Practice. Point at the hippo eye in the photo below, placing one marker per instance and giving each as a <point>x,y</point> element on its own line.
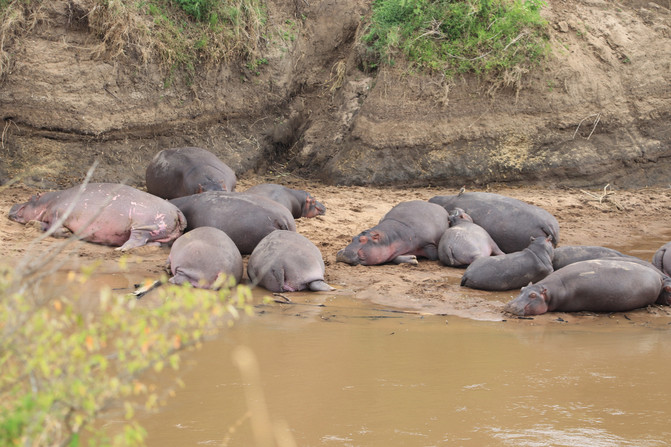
<point>533,295</point>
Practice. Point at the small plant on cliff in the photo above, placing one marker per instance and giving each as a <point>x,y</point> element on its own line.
<point>488,37</point>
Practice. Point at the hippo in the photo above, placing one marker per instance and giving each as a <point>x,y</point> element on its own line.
<point>596,285</point>
<point>408,230</point>
<point>285,261</point>
<point>201,255</point>
<point>104,213</point>
<point>245,218</point>
<point>510,222</point>
<point>184,171</point>
<point>665,295</point>
<point>464,241</point>
<point>512,270</point>
<point>662,258</point>
<point>568,254</point>
<point>299,202</point>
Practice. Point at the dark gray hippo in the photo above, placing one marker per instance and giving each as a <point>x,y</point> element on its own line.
<point>299,202</point>
<point>201,255</point>
<point>408,230</point>
<point>662,258</point>
<point>184,171</point>
<point>245,218</point>
<point>510,222</point>
<point>512,270</point>
<point>665,295</point>
<point>568,254</point>
<point>104,213</point>
<point>465,241</point>
<point>597,285</point>
<point>285,261</point>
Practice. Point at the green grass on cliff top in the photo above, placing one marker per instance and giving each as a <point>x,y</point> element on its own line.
<point>488,37</point>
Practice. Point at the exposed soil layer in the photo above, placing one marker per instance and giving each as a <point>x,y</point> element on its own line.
<point>598,111</point>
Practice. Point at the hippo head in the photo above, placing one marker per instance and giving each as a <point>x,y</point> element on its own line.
<point>371,247</point>
<point>24,212</point>
<point>457,215</point>
<point>532,300</point>
<point>312,208</point>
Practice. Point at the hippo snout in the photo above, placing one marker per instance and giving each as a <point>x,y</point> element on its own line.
<point>14,212</point>
<point>347,256</point>
<point>321,209</point>
<point>515,307</point>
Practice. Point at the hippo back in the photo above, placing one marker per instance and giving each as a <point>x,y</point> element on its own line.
<point>662,258</point>
<point>245,218</point>
<point>419,214</point>
<point>285,261</point>
<point>184,171</point>
<point>201,255</point>
<point>510,222</point>
<point>568,254</point>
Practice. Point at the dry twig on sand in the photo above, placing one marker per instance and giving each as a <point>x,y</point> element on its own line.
<point>605,197</point>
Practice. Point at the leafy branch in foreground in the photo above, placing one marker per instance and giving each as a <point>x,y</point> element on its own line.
<point>65,366</point>
<point>457,36</point>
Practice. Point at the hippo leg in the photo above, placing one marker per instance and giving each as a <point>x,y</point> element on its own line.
<point>320,286</point>
<point>43,226</point>
<point>138,238</point>
<point>278,274</point>
<point>61,232</point>
<point>405,259</point>
<point>430,252</point>
<point>181,276</point>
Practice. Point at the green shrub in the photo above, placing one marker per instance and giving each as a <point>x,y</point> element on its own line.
<point>200,9</point>
<point>456,36</point>
<point>64,367</point>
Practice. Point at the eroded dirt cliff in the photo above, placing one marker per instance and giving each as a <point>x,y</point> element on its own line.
<point>598,112</point>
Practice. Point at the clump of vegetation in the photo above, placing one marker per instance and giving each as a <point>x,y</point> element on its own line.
<point>487,37</point>
<point>64,367</point>
<point>180,34</point>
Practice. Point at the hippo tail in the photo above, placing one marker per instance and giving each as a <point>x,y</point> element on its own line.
<point>464,280</point>
<point>553,234</point>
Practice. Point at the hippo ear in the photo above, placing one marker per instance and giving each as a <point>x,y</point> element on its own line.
<point>375,236</point>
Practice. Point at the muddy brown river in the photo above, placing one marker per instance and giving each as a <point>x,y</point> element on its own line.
<point>352,374</point>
